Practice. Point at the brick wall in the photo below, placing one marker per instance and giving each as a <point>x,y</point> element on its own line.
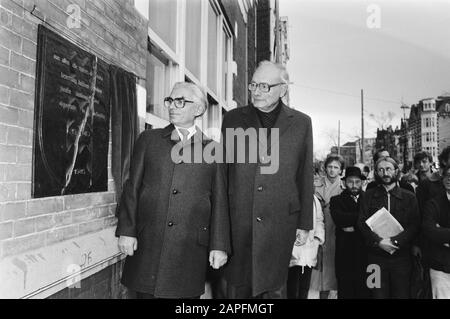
<point>102,285</point>
<point>27,223</point>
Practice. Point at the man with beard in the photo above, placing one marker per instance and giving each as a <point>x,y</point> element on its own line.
<point>351,255</point>
<point>391,255</point>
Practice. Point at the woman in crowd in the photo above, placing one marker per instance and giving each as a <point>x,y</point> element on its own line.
<point>323,280</point>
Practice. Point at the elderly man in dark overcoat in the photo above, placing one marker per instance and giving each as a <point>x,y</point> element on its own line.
<point>270,194</point>
<point>173,214</point>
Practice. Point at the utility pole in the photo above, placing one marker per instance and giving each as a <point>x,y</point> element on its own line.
<point>362,127</point>
<point>404,107</point>
<point>339,137</point>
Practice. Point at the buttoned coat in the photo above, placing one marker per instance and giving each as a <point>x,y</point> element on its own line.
<point>177,211</point>
<point>266,209</point>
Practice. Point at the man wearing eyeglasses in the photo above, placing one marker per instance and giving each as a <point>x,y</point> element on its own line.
<point>173,215</point>
<point>391,255</point>
<point>268,211</point>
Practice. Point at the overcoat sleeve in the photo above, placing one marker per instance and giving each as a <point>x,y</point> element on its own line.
<point>220,219</point>
<point>341,217</point>
<point>127,211</point>
<point>305,181</point>
<point>411,226</point>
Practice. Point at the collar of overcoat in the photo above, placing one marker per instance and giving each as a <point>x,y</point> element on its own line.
<point>171,133</point>
<point>283,122</point>
<point>381,191</point>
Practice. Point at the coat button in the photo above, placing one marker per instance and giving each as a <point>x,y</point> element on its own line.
<point>170,224</point>
<point>205,228</point>
<point>258,219</point>
<point>175,191</point>
<point>260,188</point>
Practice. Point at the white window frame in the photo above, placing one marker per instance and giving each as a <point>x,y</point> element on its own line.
<point>177,65</point>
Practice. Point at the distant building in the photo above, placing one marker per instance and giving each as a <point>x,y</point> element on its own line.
<point>348,152</point>
<point>426,129</point>
<point>284,41</point>
<point>369,147</point>
<point>389,140</point>
<point>443,110</point>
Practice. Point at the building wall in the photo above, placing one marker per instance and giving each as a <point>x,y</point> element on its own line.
<point>31,228</point>
<point>429,133</point>
<point>264,31</point>
<point>251,42</point>
<point>240,56</point>
<point>444,131</point>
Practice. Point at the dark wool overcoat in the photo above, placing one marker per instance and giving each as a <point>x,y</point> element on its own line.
<point>178,212</point>
<point>266,209</point>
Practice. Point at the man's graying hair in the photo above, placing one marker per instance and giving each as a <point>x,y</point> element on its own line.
<point>284,74</point>
<point>197,90</point>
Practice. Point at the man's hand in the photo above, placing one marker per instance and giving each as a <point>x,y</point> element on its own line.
<point>217,258</point>
<point>387,245</point>
<point>302,236</point>
<point>350,229</point>
<point>127,245</point>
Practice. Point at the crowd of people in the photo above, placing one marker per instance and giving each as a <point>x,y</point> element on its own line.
<point>351,259</point>
<point>274,233</point>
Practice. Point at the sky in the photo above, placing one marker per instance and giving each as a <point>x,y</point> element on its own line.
<point>334,54</point>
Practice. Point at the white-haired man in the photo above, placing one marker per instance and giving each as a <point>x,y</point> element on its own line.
<point>173,215</point>
<point>268,210</point>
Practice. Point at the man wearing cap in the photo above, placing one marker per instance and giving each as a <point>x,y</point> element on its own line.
<point>391,256</point>
<point>351,255</point>
<point>173,214</point>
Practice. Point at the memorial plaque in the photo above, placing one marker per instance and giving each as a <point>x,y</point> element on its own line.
<point>71,121</point>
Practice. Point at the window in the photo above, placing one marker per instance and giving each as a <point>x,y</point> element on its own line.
<point>189,39</point>
<point>212,48</point>
<point>226,71</point>
<point>158,86</point>
<point>447,108</point>
<point>193,36</point>
<point>163,20</point>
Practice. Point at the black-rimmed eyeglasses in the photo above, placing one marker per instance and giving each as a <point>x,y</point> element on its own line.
<point>179,102</point>
<point>263,87</point>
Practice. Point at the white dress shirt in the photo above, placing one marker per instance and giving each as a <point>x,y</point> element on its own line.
<point>192,130</point>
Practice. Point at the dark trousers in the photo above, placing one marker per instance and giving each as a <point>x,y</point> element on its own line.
<point>395,280</point>
<point>352,286</point>
<point>143,295</point>
<point>298,282</point>
<point>245,292</point>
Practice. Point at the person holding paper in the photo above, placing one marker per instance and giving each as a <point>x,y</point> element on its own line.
<point>391,253</point>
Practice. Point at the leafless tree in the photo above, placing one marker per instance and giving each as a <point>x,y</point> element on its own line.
<point>383,120</point>
<point>332,135</point>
